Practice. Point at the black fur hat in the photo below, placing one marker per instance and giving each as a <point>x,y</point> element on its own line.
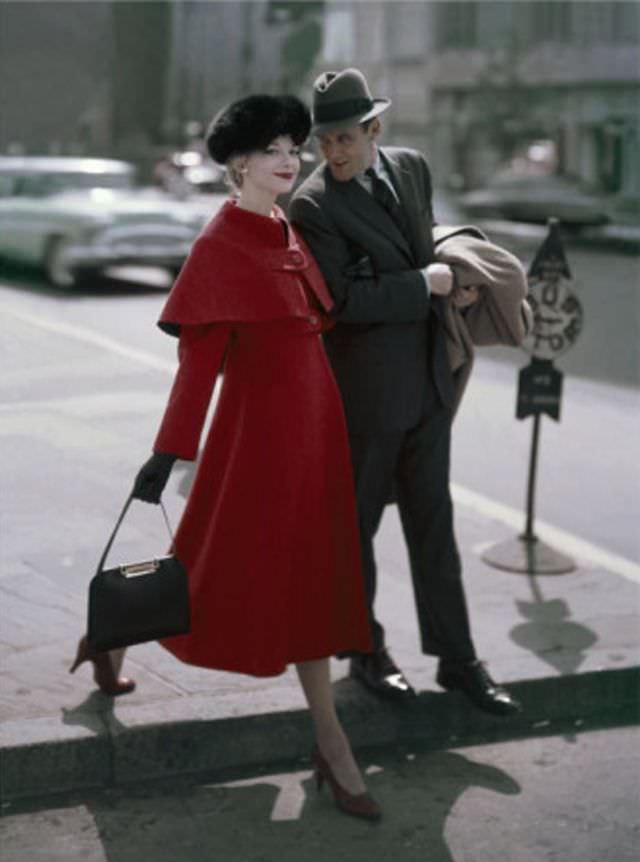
<point>253,123</point>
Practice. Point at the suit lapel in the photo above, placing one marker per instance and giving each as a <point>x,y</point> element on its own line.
<point>404,184</point>
<point>369,210</point>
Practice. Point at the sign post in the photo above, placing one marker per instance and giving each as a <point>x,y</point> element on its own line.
<point>557,323</point>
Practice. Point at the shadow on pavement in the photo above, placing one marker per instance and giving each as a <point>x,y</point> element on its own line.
<point>279,817</point>
<point>550,633</point>
<point>83,715</point>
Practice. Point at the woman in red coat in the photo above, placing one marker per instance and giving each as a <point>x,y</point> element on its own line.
<point>269,534</point>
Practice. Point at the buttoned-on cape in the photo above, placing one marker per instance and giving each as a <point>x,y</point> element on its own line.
<point>236,250</point>
<point>269,534</point>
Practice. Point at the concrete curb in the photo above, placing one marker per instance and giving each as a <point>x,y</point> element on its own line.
<point>45,756</point>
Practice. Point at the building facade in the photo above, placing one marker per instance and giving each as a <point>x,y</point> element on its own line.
<point>55,77</point>
<point>219,51</point>
<point>476,83</point>
<point>129,79</point>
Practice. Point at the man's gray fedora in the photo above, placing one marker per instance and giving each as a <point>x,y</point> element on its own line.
<point>343,99</point>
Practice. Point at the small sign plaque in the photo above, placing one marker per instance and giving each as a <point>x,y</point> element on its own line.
<point>539,390</point>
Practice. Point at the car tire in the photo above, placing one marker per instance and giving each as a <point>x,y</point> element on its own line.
<point>56,269</point>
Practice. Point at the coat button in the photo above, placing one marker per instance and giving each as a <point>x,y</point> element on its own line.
<point>295,258</point>
<point>313,320</point>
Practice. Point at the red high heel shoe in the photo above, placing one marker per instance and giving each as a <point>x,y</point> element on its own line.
<point>103,672</point>
<point>356,804</point>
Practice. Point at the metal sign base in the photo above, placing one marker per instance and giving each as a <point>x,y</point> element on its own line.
<point>528,555</point>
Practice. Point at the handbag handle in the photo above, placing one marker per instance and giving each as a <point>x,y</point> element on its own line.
<point>125,508</point>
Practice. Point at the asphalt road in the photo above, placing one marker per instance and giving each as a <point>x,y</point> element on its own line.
<point>569,798</point>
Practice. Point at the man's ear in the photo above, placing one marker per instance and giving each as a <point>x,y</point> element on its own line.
<point>374,129</point>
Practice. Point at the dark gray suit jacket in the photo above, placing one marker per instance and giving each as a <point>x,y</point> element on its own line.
<point>385,337</point>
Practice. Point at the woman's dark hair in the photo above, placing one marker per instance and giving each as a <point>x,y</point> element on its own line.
<point>253,123</point>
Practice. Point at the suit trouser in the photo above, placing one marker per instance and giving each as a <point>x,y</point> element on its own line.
<point>416,462</point>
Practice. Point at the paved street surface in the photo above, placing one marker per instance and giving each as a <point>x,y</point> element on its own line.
<point>85,377</point>
<point>588,477</point>
<point>569,798</point>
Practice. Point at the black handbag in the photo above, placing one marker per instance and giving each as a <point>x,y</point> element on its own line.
<point>137,602</point>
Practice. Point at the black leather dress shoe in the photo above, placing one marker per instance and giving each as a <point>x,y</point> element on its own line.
<point>473,679</point>
<point>379,672</point>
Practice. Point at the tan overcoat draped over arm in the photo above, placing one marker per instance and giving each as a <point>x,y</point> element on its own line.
<point>501,315</point>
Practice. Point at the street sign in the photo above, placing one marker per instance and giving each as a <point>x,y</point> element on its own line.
<point>557,311</point>
<point>557,322</point>
<point>557,315</point>
<point>539,390</point>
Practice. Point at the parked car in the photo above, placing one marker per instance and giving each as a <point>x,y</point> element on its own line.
<point>190,171</point>
<point>531,198</point>
<point>79,216</point>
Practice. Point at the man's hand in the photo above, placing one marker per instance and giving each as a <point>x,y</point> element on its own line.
<point>462,297</point>
<point>439,278</point>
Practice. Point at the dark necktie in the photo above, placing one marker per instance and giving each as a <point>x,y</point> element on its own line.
<point>383,194</point>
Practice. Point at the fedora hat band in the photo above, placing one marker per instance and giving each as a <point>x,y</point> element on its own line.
<point>342,110</point>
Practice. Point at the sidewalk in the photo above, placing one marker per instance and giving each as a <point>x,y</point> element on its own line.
<point>76,419</point>
<point>568,646</point>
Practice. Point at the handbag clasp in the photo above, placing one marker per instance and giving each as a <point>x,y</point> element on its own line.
<point>134,570</point>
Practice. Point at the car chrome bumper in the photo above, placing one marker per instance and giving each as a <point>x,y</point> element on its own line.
<point>79,257</point>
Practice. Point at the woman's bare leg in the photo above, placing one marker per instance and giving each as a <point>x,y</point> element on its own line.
<point>330,736</point>
<point>117,658</point>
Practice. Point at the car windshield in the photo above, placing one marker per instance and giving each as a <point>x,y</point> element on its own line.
<point>44,185</point>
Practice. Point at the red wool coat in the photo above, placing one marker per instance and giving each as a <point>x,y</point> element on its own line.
<point>269,534</point>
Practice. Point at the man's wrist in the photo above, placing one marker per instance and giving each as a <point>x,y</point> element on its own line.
<point>439,277</point>
<point>425,276</point>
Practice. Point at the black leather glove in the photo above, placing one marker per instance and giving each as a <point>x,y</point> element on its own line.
<point>153,477</point>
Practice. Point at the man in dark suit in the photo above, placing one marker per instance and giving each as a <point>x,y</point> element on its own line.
<point>366,213</point>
